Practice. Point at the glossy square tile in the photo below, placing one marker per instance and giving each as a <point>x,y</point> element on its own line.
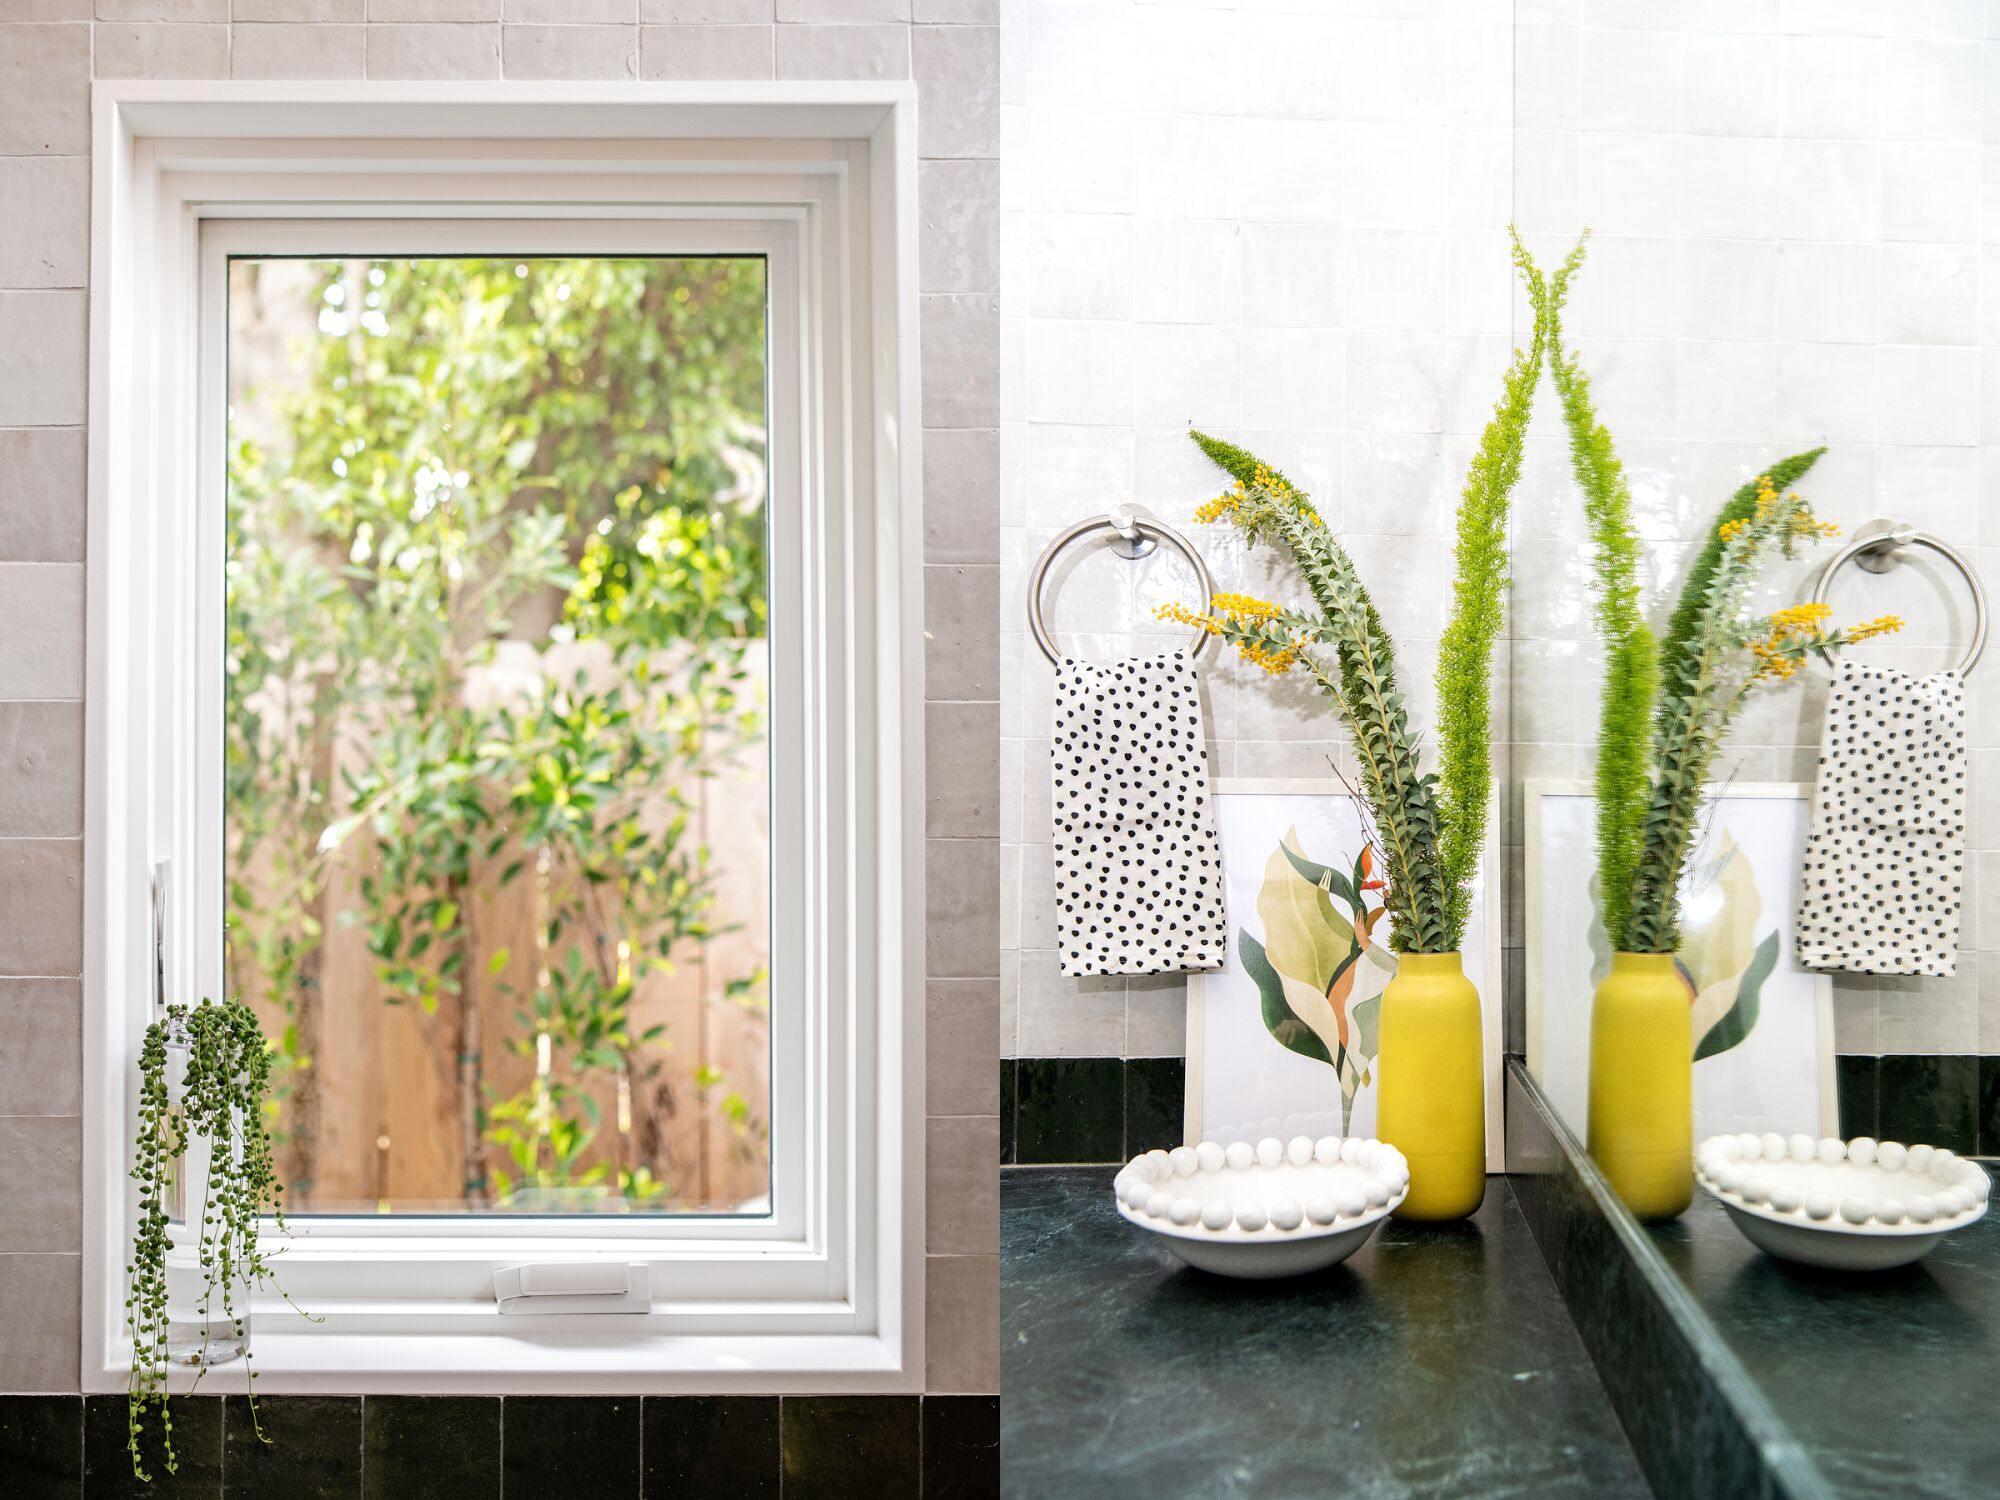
<point>842,1447</point>
<point>1855,1080</point>
<point>719,1444</point>
<point>571,1445</point>
<point>1069,1109</point>
<point>1155,1103</point>
<point>430,1447</point>
<point>1933,1099</point>
<point>41,1446</point>
<point>292,1448</point>
<point>961,1439</point>
<point>197,1438</point>
<point>1008,1070</point>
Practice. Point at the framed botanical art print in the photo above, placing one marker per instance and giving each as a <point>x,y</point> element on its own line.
<point>1763,1026</point>
<point>1282,1040</point>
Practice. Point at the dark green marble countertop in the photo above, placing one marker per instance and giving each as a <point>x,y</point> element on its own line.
<point>1887,1381</point>
<point>1435,1362</point>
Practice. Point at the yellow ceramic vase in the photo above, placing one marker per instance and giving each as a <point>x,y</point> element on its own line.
<point>1641,1132</point>
<point>1430,1102</point>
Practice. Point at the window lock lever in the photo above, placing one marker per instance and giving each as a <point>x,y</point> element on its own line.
<point>574,1287</point>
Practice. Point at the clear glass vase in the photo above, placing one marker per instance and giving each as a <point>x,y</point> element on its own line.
<point>198,1332</point>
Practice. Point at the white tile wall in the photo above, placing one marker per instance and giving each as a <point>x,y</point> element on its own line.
<point>1823,207</point>
<point>1797,217</point>
<point>1281,222</point>
<point>49,52</point>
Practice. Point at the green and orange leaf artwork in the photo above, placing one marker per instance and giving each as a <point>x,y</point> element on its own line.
<point>1319,973</point>
<point>1722,960</point>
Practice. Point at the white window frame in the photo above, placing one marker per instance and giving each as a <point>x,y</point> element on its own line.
<point>826,1294</point>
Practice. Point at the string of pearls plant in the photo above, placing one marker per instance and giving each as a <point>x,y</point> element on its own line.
<point>220,1100</point>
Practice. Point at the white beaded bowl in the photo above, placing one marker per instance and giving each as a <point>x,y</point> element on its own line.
<point>1273,1209</point>
<point>1859,1205</point>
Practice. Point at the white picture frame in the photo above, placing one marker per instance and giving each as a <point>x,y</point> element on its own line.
<point>1242,1083</point>
<point>1778,1074</point>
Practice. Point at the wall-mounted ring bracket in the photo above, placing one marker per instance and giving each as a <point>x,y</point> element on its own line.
<point>1131,531</point>
<point>1881,546</point>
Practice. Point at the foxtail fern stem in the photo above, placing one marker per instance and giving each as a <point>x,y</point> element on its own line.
<point>1631,668</point>
<point>1465,652</point>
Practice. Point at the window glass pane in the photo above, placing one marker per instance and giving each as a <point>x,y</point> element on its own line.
<point>498,826</point>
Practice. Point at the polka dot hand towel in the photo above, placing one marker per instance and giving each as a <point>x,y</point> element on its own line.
<point>1885,858</point>
<point>1138,864</point>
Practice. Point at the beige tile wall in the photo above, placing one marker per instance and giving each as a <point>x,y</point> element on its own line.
<point>49,52</point>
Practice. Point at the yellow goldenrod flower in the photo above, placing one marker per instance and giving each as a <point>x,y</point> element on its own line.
<point>1729,531</point>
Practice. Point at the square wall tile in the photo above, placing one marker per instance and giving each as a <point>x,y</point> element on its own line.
<point>582,1445</point>
<point>289,51</point>
<point>727,1445</point>
<point>41,1067</point>
<point>961,1327</point>
<point>41,1445</point>
<point>41,1300</point>
<point>962,1187</point>
<point>1932,1099</point>
<point>45,90</point>
<point>41,770</point>
<point>442,1447</point>
<point>107,1464</point>
<point>1856,1079</point>
<point>310,1448</point>
<point>43,354</point>
<point>152,50</point>
<point>1069,1109</point>
<point>41,494</point>
<point>1155,1104</point>
<point>41,1182</point>
<point>721,52</point>
<point>45,240</point>
<point>41,890</point>
<point>838,1447</point>
<point>961,1447</point>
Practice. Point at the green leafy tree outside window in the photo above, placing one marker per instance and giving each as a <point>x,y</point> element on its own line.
<point>482,454</point>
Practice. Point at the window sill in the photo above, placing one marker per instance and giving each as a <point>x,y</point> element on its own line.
<point>584,1355</point>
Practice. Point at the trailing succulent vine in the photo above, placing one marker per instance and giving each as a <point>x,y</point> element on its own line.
<point>1684,688</point>
<point>1429,827</point>
<point>222,1102</point>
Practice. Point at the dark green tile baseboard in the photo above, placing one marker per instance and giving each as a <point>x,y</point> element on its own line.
<point>1698,1424</point>
<point>1944,1099</point>
<point>1081,1111</point>
<point>487,1447</point>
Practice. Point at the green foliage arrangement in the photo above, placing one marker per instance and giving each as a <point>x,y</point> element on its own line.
<point>1631,658</point>
<point>222,1100</point>
<point>1667,706</point>
<point>480,455</point>
<point>1429,827</point>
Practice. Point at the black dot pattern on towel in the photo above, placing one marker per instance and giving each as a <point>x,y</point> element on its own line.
<point>1885,858</point>
<point>1138,867</point>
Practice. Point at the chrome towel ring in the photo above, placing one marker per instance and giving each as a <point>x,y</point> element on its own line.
<point>1132,532</point>
<point>1881,545</point>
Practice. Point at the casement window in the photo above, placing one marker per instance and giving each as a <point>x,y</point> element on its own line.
<point>504,675</point>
